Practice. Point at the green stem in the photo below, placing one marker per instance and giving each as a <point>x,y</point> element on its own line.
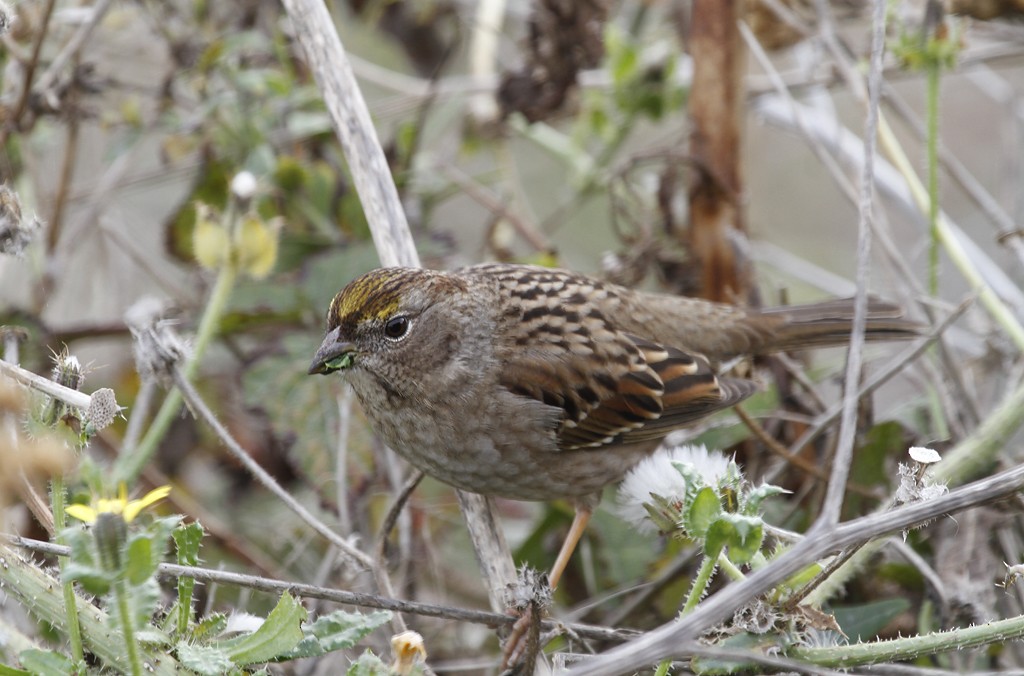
<point>700,583</point>
<point>130,464</point>
<point>67,587</point>
<point>730,568</point>
<point>933,72</point>
<point>903,649</point>
<point>956,253</point>
<point>124,614</point>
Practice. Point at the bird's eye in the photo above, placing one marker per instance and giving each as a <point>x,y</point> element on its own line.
<point>396,327</point>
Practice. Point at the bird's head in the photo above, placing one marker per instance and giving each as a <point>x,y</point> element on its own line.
<point>392,322</point>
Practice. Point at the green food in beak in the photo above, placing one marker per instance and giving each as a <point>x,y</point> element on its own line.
<point>333,355</point>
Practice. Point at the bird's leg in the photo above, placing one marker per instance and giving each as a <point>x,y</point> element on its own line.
<point>579,524</point>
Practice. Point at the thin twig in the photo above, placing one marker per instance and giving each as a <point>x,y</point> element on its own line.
<point>199,407</point>
<point>14,121</point>
<point>314,30</point>
<point>341,458</point>
<point>70,48</point>
<point>833,503</point>
<point>485,198</point>
<point>380,551</point>
<point>48,387</point>
<point>66,176</point>
<point>264,584</point>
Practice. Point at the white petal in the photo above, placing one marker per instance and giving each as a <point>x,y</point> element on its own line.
<point>923,455</point>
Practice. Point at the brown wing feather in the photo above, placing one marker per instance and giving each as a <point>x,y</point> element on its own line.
<point>692,391</point>
<point>611,386</point>
<point>643,394</point>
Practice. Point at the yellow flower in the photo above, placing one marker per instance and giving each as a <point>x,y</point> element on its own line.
<point>210,242</point>
<point>119,505</point>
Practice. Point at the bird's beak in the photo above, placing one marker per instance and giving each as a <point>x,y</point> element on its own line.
<point>334,354</point>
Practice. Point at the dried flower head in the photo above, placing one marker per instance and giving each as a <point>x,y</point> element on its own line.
<point>659,475</point>
<point>409,652</point>
<point>531,588</point>
<point>16,231</point>
<point>103,408</point>
<point>157,348</point>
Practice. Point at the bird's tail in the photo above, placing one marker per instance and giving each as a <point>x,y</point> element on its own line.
<point>829,323</point>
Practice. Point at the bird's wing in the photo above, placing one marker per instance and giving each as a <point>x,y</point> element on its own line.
<point>621,389</point>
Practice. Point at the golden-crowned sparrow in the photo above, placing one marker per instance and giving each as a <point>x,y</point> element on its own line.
<point>536,384</point>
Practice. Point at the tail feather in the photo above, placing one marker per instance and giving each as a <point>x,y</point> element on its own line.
<point>830,323</point>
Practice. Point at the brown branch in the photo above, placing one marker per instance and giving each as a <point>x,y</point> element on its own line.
<point>14,122</point>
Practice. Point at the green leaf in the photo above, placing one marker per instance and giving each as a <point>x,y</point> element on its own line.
<point>341,630</point>
<point>307,647</point>
<point>140,563</point>
<point>718,535</point>
<point>204,659</point>
<point>863,622</point>
<point>211,625</point>
<point>664,514</point>
<point>704,510</point>
<point>368,664</point>
<point>755,496</point>
<point>747,535</point>
<point>44,663</point>
<point>187,538</point>
<point>144,599</point>
<point>871,462</point>
<point>802,577</point>
<point>280,633</point>
<point>82,543</point>
<point>93,579</point>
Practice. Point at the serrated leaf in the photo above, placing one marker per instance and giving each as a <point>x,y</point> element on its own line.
<point>307,647</point>
<point>704,510</point>
<point>204,659</point>
<point>863,622</point>
<point>143,599</point>
<point>755,496</point>
<point>278,634</point>
<point>340,629</point>
<point>747,534</point>
<point>211,625</point>
<point>368,664</point>
<point>44,663</point>
<point>187,539</point>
